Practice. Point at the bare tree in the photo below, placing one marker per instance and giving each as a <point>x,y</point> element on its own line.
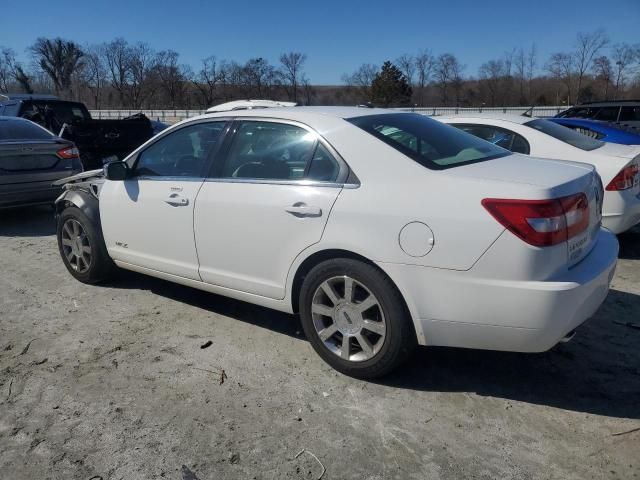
<point>141,62</point>
<point>171,75</point>
<point>561,67</point>
<point>624,56</point>
<point>407,65</point>
<point>491,76</point>
<point>207,81</point>
<point>7,68</point>
<point>117,61</point>
<point>603,71</point>
<point>258,77</point>
<point>59,59</point>
<point>23,79</point>
<point>532,61</point>
<point>362,79</point>
<point>587,47</point>
<point>292,64</point>
<point>424,62</point>
<point>448,73</point>
<point>94,73</point>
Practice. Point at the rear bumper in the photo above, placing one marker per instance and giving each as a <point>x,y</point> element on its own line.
<point>462,310</point>
<point>28,194</point>
<point>621,211</point>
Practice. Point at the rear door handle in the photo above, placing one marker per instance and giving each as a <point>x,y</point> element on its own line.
<point>301,209</point>
<point>176,200</point>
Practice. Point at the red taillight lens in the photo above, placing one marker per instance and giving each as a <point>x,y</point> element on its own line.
<point>69,152</point>
<point>542,222</point>
<point>624,179</point>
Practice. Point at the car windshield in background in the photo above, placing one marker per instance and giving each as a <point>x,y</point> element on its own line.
<point>22,130</point>
<point>430,143</point>
<point>565,134</point>
<point>64,112</point>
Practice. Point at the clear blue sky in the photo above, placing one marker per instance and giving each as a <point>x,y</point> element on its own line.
<point>337,36</point>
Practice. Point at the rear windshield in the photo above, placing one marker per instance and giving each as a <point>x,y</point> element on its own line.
<point>565,134</point>
<point>22,130</point>
<point>63,112</point>
<point>430,143</point>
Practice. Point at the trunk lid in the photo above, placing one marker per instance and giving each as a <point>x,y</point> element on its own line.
<point>25,161</point>
<point>521,177</point>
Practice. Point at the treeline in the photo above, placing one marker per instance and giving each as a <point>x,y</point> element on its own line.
<point>119,74</point>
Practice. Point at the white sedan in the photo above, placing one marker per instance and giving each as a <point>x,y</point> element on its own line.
<point>383,230</point>
<point>618,165</point>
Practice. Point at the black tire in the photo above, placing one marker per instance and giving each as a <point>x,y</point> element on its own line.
<point>400,338</point>
<point>100,267</point>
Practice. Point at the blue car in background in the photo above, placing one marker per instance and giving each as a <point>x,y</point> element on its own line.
<point>603,131</point>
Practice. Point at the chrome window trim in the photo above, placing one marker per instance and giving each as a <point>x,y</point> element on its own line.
<point>294,183</point>
<point>161,178</point>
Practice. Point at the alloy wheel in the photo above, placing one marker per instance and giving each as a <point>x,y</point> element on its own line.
<point>76,246</point>
<point>348,318</point>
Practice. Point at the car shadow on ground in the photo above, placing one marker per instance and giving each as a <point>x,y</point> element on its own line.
<point>596,373</point>
<point>630,244</point>
<point>37,221</point>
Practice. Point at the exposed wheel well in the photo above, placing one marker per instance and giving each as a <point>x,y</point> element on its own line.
<point>318,257</point>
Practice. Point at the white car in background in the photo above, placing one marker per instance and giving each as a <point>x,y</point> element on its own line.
<point>383,229</point>
<point>618,165</point>
<point>249,105</point>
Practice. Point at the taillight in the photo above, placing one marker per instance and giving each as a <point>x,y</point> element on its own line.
<point>542,222</point>
<point>624,179</point>
<point>69,152</point>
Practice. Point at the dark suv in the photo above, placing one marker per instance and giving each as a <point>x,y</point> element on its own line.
<point>99,141</point>
<point>624,112</point>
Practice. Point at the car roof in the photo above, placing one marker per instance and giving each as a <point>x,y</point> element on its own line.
<point>27,96</point>
<point>249,104</point>
<point>520,119</point>
<point>302,114</point>
<point>612,103</point>
<point>6,118</point>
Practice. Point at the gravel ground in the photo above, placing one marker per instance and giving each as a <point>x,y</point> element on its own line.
<point>111,382</point>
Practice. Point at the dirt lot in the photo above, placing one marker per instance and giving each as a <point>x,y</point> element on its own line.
<point>111,382</point>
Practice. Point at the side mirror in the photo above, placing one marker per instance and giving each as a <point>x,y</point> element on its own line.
<point>116,171</point>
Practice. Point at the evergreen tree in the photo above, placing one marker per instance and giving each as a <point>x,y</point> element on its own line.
<point>390,87</point>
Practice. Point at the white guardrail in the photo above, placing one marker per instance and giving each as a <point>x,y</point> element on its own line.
<point>172,116</point>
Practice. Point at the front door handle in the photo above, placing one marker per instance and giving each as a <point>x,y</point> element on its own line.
<point>175,200</point>
<point>301,209</point>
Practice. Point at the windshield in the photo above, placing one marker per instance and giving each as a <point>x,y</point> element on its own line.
<point>565,134</point>
<point>430,143</point>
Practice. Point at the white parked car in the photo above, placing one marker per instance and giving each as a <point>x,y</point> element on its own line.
<point>618,165</point>
<point>383,229</point>
<point>249,105</point>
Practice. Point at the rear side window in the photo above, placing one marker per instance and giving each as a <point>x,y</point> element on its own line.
<point>430,143</point>
<point>565,134</point>
<point>630,114</point>
<point>498,136</point>
<point>22,130</point>
<point>607,114</point>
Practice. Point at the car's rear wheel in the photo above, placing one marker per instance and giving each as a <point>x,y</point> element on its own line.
<point>355,318</point>
<point>82,247</point>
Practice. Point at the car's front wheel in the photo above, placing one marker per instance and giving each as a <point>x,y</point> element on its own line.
<point>355,318</point>
<point>82,247</point>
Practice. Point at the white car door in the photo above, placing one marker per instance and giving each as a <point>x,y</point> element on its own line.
<point>147,219</point>
<point>267,200</point>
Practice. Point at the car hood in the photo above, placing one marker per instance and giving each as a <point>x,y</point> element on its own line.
<point>99,173</point>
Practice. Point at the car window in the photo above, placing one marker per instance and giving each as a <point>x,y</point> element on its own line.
<point>579,112</point>
<point>498,136</point>
<point>323,166</point>
<point>565,134</point>
<point>22,130</point>
<point>607,114</point>
<point>429,142</point>
<point>630,114</point>
<point>269,150</point>
<point>181,153</point>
